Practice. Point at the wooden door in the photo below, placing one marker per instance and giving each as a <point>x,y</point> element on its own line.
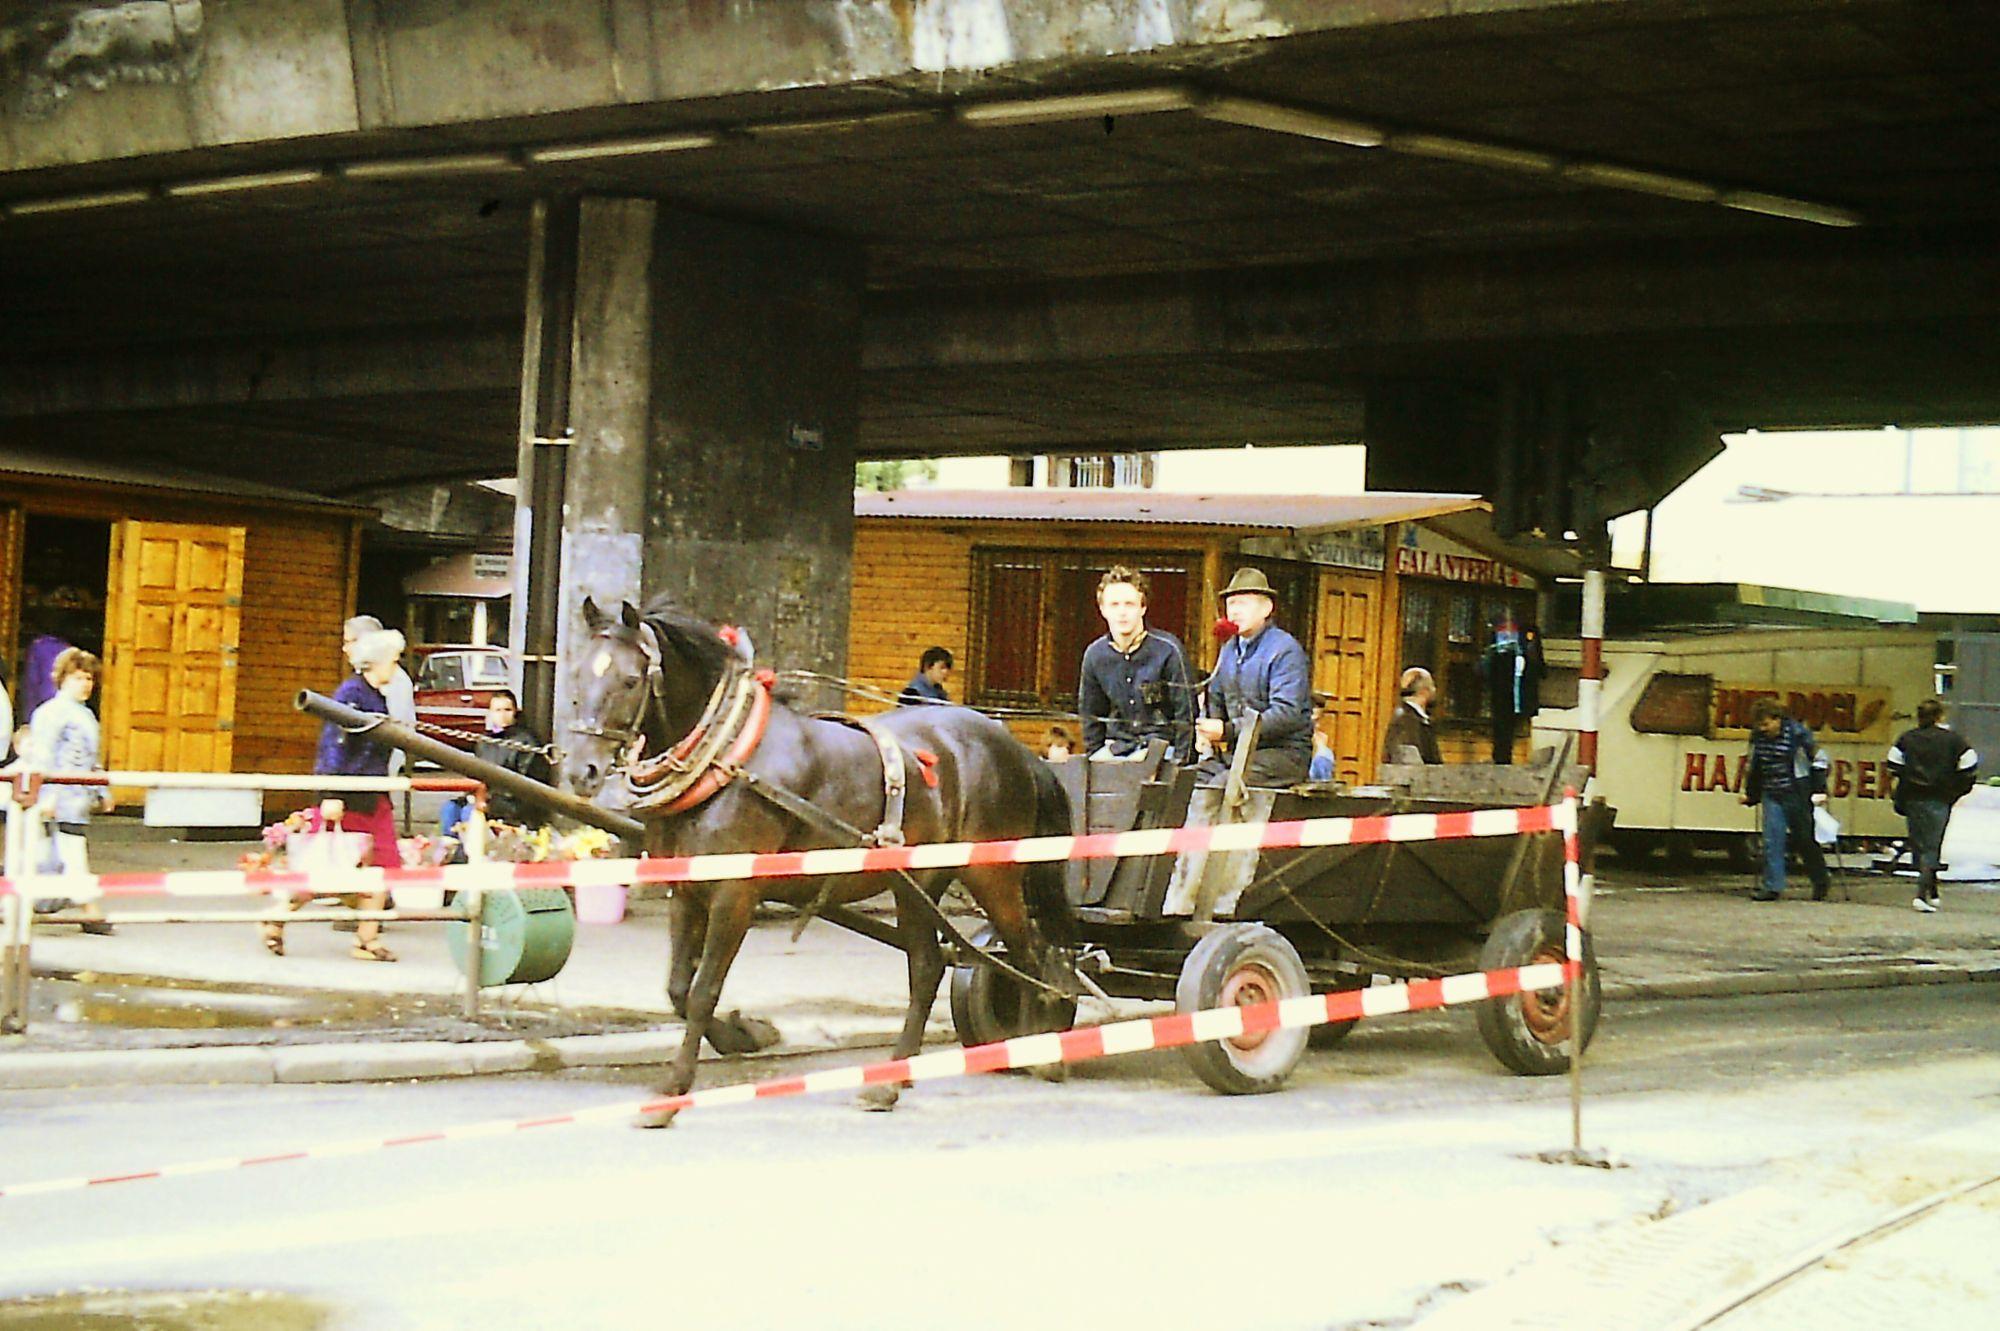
<point>1344,671</point>
<point>175,612</point>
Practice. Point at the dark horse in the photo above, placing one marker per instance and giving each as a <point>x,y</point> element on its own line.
<point>645,684</point>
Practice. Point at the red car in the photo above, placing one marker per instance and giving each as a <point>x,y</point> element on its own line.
<point>454,684</point>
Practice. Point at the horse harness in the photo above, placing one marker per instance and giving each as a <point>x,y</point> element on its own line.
<point>713,755</point>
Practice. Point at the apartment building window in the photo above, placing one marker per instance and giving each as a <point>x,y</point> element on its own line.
<point>1125,471</point>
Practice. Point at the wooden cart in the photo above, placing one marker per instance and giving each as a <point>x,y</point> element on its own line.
<point>1208,929</point>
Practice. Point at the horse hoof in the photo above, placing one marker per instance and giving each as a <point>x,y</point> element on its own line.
<point>733,1034</point>
<point>655,1118</point>
<point>878,1099</point>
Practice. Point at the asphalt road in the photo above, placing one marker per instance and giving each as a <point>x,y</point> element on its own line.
<point>1395,1174</point>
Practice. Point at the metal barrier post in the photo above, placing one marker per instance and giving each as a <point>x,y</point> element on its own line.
<point>13,1014</point>
<point>1576,889</point>
<point>473,900</point>
<point>19,908</point>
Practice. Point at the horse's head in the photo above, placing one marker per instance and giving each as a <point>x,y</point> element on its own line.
<point>638,685</point>
<point>612,685</point>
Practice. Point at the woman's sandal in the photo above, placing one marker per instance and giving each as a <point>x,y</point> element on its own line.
<point>371,952</point>
<point>274,939</point>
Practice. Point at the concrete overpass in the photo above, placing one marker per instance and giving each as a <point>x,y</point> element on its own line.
<point>1543,250</point>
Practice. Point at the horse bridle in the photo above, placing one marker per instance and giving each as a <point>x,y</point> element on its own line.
<point>623,737</point>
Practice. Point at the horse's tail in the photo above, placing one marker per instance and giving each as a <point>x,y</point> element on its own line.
<point>1047,899</point>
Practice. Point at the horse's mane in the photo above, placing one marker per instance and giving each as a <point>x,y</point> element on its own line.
<point>693,638</point>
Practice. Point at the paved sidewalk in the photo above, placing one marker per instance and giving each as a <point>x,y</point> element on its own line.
<point>1657,937</point>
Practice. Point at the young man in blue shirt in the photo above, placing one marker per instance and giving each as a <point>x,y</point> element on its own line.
<point>1135,686</point>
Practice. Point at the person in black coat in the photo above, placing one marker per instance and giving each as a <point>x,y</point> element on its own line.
<point>1512,667</point>
<point>510,744</point>
<point>1935,768</point>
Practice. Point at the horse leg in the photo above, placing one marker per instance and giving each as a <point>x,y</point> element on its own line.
<point>729,912</point>
<point>997,890</point>
<point>926,957</point>
<point>687,933</point>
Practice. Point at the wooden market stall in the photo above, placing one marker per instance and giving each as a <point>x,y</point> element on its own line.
<point>1369,583</point>
<point>212,601</point>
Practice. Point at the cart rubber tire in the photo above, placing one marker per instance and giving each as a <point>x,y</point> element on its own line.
<point>1238,965</point>
<point>1528,1032</point>
<point>987,1006</point>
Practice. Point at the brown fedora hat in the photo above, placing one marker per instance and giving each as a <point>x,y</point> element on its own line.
<point>1249,580</point>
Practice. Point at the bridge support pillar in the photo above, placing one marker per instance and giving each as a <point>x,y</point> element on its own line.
<point>689,409</point>
<point>755,416</point>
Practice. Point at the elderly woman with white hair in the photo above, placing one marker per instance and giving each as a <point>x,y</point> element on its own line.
<point>376,657</point>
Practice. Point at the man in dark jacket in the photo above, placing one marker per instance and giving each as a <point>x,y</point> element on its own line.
<point>1409,737</point>
<point>1135,685</point>
<point>1513,670</point>
<point>1786,778</point>
<point>510,744</point>
<point>1934,768</point>
<point>1261,669</point>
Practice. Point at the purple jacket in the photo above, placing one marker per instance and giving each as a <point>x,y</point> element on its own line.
<point>36,686</point>
<point>342,754</point>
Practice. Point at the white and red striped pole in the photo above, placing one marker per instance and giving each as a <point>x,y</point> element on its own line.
<point>1590,679</point>
<point>1575,886</point>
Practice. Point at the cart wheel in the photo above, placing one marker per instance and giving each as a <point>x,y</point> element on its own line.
<point>987,1006</point>
<point>1528,1032</point>
<point>1238,965</point>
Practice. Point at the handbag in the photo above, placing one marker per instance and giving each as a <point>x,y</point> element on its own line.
<point>1826,827</point>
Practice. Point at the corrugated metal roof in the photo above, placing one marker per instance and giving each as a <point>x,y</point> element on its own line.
<point>1264,512</point>
<point>159,476</point>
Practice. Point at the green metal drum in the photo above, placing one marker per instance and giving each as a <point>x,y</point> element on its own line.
<point>524,937</point>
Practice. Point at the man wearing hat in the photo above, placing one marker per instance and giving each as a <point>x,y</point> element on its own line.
<point>1261,669</point>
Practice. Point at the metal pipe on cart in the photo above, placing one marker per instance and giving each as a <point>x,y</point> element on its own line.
<point>385,731</point>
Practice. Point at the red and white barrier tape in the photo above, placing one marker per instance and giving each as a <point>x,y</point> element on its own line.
<point>813,863</point>
<point>1079,1045</point>
<point>1073,1046</point>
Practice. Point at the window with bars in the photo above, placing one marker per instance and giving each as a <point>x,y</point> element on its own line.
<point>1034,612</point>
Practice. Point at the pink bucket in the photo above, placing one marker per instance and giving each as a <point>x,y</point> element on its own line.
<point>600,903</point>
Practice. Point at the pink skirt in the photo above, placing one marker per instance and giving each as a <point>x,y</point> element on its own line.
<point>379,822</point>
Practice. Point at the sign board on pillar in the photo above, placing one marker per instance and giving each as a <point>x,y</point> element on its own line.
<point>493,566</point>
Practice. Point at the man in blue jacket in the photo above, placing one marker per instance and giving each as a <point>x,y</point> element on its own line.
<point>1261,669</point>
<point>1786,777</point>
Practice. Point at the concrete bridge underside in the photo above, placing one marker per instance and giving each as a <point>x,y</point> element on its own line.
<point>294,240</point>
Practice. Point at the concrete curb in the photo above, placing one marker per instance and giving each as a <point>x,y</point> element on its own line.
<point>365,1061</point>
